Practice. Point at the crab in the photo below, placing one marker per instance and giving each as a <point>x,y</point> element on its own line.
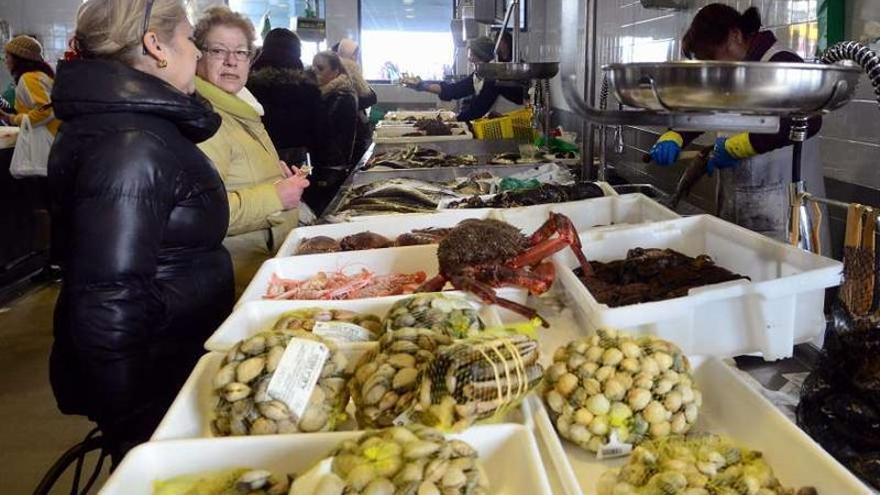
<point>480,255</point>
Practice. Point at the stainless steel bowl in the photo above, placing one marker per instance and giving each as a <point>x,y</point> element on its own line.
<point>509,71</point>
<point>744,87</point>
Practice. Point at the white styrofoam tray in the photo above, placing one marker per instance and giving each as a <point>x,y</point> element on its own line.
<point>780,307</point>
<point>398,131</point>
<point>453,216</point>
<point>730,408</point>
<point>388,227</point>
<point>255,316</point>
<point>608,211</point>
<point>443,205</point>
<point>419,139</point>
<point>507,452</point>
<point>404,260</point>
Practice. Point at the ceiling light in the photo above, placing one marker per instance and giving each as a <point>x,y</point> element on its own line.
<point>408,2</point>
<point>410,16</point>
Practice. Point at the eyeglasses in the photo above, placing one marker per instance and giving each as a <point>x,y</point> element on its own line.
<point>149,9</point>
<point>222,53</point>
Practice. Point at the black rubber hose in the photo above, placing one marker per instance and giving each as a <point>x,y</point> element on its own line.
<point>860,54</point>
<point>603,93</point>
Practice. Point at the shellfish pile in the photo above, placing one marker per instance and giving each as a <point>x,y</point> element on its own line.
<point>385,382</point>
<point>307,319</point>
<point>404,460</point>
<point>638,388</point>
<point>477,378</point>
<point>245,407</point>
<point>448,315</point>
<point>699,465</point>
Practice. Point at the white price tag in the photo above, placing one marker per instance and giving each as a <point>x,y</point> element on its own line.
<point>614,448</point>
<point>403,418</point>
<point>297,374</point>
<point>341,331</point>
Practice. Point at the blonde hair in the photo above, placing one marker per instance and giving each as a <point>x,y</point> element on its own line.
<point>222,16</point>
<point>114,29</point>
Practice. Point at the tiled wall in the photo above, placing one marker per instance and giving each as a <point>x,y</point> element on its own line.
<point>850,137</point>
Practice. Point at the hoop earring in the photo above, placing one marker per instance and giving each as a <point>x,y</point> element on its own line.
<point>162,64</point>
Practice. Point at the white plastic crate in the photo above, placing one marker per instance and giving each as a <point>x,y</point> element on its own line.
<point>256,316</point>
<point>609,211</point>
<point>444,115</point>
<point>730,408</point>
<point>444,203</point>
<point>780,307</point>
<point>507,452</point>
<point>388,227</point>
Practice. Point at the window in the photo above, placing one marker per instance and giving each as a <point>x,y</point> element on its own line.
<point>410,36</point>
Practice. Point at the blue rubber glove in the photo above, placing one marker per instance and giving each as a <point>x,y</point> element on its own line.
<point>665,151</point>
<point>721,158</point>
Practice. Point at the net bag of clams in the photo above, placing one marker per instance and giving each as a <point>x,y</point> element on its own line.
<point>637,388</point>
<point>335,324</point>
<point>477,379</point>
<point>245,406</point>
<point>840,399</point>
<point>449,315</point>
<point>385,381</point>
<point>694,465</point>
<point>402,460</point>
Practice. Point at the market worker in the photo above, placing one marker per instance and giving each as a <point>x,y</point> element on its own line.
<point>487,96</point>
<point>333,157</point>
<point>263,192</point>
<point>140,214</point>
<point>755,169</point>
<point>34,79</point>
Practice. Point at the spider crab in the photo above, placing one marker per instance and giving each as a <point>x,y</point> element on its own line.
<point>480,255</point>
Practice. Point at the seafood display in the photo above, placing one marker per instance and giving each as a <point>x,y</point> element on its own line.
<point>385,382</point>
<point>444,314</point>
<point>405,460</point>
<point>647,275</point>
<point>514,158</point>
<point>543,194</point>
<point>479,255</point>
<point>839,399</point>
<point>246,402</point>
<point>634,388</point>
<point>476,379</point>
<point>329,323</point>
<point>699,465</point>
<point>434,127</point>
<point>337,285</point>
<point>395,196</point>
<point>369,240</point>
<point>228,482</point>
<point>412,116</point>
<point>417,157</point>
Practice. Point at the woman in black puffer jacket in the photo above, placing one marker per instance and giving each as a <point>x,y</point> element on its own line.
<point>141,215</point>
<point>333,153</point>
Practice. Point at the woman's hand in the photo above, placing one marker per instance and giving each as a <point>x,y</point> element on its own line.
<point>5,116</point>
<point>290,190</point>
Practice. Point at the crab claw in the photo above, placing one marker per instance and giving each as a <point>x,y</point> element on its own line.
<point>487,294</point>
<point>543,246</point>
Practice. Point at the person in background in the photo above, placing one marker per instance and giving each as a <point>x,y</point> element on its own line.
<point>140,214</point>
<point>333,153</point>
<point>348,49</point>
<point>487,96</point>
<point>289,95</point>
<point>34,79</point>
<point>755,169</point>
<point>263,192</point>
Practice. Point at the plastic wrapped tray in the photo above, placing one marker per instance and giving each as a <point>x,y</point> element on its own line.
<point>780,307</point>
<point>508,454</point>
<point>256,316</point>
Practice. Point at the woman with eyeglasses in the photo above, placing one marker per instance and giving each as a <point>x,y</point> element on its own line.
<point>140,214</point>
<point>333,154</point>
<point>263,192</point>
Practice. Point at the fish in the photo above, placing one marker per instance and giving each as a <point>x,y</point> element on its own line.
<point>691,175</point>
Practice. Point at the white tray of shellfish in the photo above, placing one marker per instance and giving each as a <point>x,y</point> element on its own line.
<point>350,235</point>
<point>359,321</point>
<point>777,306</point>
<point>705,396</point>
<point>505,458</point>
<point>363,274</point>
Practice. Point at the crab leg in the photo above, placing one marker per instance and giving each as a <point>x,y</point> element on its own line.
<point>487,294</point>
<point>433,285</point>
<point>545,247</point>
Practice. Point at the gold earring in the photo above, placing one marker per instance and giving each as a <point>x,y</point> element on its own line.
<point>162,64</point>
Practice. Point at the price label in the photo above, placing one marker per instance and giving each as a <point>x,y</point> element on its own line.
<point>341,331</point>
<point>614,448</point>
<point>297,374</point>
